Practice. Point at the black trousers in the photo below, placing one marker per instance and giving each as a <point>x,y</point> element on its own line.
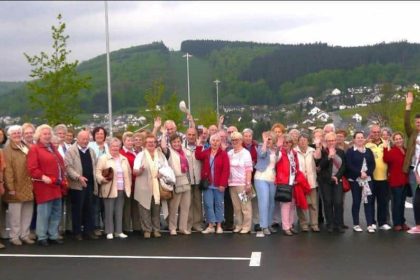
<point>228,210</point>
<point>416,206</point>
<point>381,193</point>
<point>332,197</point>
<point>82,210</point>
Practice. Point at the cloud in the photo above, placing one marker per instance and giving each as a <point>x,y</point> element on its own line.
<point>26,26</point>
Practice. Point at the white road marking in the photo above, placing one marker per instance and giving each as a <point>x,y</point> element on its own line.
<point>254,260</point>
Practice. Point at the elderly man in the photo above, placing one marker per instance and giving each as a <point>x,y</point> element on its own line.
<point>80,162</point>
<point>380,190</point>
<point>195,215</point>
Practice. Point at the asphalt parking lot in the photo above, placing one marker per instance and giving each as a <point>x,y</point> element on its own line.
<point>383,255</point>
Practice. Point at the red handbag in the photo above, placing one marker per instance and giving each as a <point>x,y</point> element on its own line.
<point>346,184</point>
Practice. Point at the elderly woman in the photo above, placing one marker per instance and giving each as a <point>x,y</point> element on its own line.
<point>46,167</point>
<point>138,142</point>
<point>397,179</point>
<point>28,131</point>
<point>3,137</point>
<point>131,218</point>
<point>240,183</point>
<point>267,156</point>
<point>279,130</point>
<point>146,191</point>
<point>19,191</point>
<point>360,164</point>
<point>215,169</point>
<point>178,161</point>
<point>308,167</point>
<point>2,166</point>
<point>288,173</point>
<point>332,166</point>
<point>112,189</point>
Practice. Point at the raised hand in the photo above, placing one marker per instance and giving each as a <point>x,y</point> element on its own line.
<point>158,122</point>
<point>409,98</point>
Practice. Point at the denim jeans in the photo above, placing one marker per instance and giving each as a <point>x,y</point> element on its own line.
<point>48,219</point>
<point>213,204</point>
<point>356,192</point>
<point>398,205</point>
<point>265,194</point>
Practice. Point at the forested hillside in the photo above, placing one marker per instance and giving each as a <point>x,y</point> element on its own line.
<point>250,73</point>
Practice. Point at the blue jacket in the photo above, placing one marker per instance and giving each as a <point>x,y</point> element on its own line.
<point>354,161</point>
<point>263,158</point>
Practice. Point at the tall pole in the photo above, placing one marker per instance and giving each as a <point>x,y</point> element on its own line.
<point>217,97</point>
<point>108,69</point>
<point>187,55</point>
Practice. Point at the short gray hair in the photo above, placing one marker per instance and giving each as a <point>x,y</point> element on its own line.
<point>41,128</point>
<point>247,130</point>
<point>14,128</point>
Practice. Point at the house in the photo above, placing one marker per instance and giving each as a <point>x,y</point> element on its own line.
<point>308,121</point>
<point>376,99</point>
<point>314,111</point>
<point>416,87</point>
<point>336,92</point>
<point>357,117</point>
<point>342,107</point>
<point>361,105</point>
<point>322,116</point>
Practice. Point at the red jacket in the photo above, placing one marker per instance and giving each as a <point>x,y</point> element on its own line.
<point>283,167</point>
<point>221,166</point>
<point>395,160</point>
<point>131,157</point>
<point>300,190</point>
<point>253,151</point>
<point>42,162</point>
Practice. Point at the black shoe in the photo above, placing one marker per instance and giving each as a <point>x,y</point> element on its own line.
<point>345,226</point>
<point>78,237</point>
<point>275,225</point>
<point>56,241</point>
<point>257,227</point>
<point>91,236</point>
<point>43,243</point>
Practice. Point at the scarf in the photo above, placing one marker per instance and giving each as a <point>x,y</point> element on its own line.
<point>153,168</point>
<point>183,159</point>
<point>364,183</point>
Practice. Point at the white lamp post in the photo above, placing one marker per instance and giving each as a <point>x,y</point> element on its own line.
<point>108,70</point>
<point>217,97</point>
<point>187,55</point>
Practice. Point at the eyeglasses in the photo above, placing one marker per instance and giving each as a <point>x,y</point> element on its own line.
<point>235,140</point>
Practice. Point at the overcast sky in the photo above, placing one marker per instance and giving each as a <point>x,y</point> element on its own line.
<point>26,26</point>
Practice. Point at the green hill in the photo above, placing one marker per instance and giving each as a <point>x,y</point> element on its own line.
<point>250,73</point>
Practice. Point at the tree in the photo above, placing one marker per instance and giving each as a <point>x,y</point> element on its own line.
<point>381,112</point>
<point>152,96</point>
<point>56,85</point>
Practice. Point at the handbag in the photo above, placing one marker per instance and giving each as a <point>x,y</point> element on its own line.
<point>164,190</point>
<point>205,183</point>
<point>108,174</point>
<point>283,193</point>
<point>346,184</point>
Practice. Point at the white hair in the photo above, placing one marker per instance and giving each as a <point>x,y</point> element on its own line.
<point>14,128</point>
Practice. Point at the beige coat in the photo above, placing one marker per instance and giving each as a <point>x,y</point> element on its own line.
<point>143,190</point>
<point>104,162</point>
<point>194,166</point>
<point>307,165</point>
<point>74,167</point>
<point>16,176</point>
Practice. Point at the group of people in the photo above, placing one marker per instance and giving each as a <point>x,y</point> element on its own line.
<point>145,180</point>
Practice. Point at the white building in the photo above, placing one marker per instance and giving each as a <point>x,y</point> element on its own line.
<point>314,111</point>
<point>357,117</point>
<point>336,92</point>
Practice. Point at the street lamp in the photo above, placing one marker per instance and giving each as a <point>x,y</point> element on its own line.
<point>108,70</point>
<point>187,55</point>
<point>217,82</point>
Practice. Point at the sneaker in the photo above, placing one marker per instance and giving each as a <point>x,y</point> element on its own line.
<point>374,226</point>
<point>185,232</point>
<point>109,236</point>
<point>146,234</point>
<point>172,232</point>
<point>257,227</point>
<point>121,235</point>
<point>157,234</point>
<point>414,230</point>
<point>260,234</point>
<point>266,231</point>
<point>357,228</point>
<point>371,229</point>
<point>272,229</point>
<point>16,242</point>
<point>27,240</point>
<point>385,227</point>
<point>219,230</point>
<point>208,230</point>
<point>198,229</point>
<point>315,229</point>
<point>244,231</point>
